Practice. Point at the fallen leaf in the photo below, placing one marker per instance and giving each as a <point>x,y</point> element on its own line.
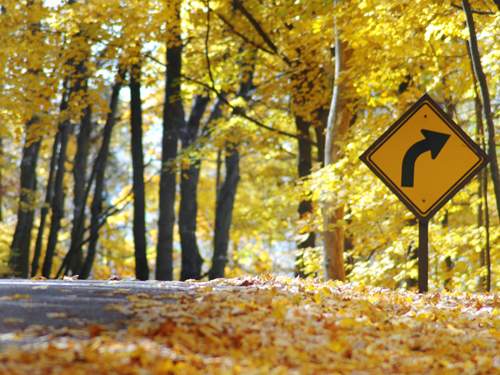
<point>16,296</point>
<point>56,315</point>
<point>38,278</point>
<point>96,330</point>
<point>13,320</point>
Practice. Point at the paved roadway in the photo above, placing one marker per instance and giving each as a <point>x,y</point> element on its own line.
<point>62,303</point>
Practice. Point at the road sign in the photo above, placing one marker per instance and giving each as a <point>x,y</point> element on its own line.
<point>425,158</point>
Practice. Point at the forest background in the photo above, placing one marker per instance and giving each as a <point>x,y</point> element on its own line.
<point>177,140</point>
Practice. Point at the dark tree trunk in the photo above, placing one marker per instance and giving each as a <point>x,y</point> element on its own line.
<point>483,217</point>
<point>100,168</point>
<point>79,196</point>
<point>225,201</point>
<point>224,212</point>
<point>19,257</point>
<point>74,255</point>
<point>139,226</point>
<point>305,205</point>
<point>487,246</point>
<point>58,201</point>
<point>304,165</point>
<point>173,121</point>
<point>21,242</point>
<point>45,209</point>
<point>73,259</point>
<point>191,259</point>
<point>77,84</point>
<point>448,262</point>
<point>215,115</point>
<point>485,96</point>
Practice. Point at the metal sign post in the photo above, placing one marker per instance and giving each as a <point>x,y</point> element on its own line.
<point>423,256</point>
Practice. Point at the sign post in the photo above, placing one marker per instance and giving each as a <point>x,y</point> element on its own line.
<point>425,158</point>
<point>423,256</point>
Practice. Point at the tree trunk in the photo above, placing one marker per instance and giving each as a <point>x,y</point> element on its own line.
<point>79,196</point>
<point>224,211</point>
<point>305,206</point>
<point>73,259</point>
<point>225,201</point>
<point>100,168</point>
<point>337,127</point>
<point>305,162</point>
<point>173,121</point>
<point>448,262</point>
<point>77,84</point>
<point>191,258</point>
<point>487,114</point>
<point>45,209</point>
<point>483,216</point>
<point>58,201</point>
<point>139,225</point>
<point>487,247</point>
<point>21,242</point>
<point>19,257</point>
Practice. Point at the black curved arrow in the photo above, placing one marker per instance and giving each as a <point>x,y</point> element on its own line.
<point>433,142</point>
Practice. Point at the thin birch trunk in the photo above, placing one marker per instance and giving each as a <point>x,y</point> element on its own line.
<point>337,127</point>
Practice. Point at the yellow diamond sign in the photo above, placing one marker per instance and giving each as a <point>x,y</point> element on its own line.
<point>425,158</point>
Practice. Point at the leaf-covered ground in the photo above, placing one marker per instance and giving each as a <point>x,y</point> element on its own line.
<point>267,325</point>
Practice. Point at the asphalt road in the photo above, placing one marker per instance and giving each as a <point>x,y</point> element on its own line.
<point>54,304</point>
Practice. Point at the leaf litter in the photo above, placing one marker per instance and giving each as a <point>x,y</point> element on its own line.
<point>272,325</point>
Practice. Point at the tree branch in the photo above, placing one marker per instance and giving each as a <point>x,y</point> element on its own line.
<point>260,31</point>
<point>474,11</point>
<point>233,29</point>
<point>235,109</point>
